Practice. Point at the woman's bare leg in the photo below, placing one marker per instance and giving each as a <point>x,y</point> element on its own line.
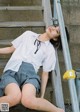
<point>12,95</point>
<point>30,100</point>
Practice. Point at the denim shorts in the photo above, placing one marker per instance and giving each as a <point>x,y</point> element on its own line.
<point>26,74</point>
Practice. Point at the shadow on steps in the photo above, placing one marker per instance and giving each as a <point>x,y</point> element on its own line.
<point>20,108</point>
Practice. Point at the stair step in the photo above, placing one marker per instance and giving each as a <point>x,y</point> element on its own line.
<point>23,14</point>
<point>20,2</point>
<point>14,32</point>
<point>3,63</point>
<point>4,57</point>
<point>21,8</point>
<point>5,42</point>
<point>21,24</point>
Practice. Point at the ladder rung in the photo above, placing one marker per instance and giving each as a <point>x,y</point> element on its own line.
<point>21,24</point>
<point>21,8</point>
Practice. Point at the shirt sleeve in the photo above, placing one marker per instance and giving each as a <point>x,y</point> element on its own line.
<point>16,42</point>
<point>49,62</point>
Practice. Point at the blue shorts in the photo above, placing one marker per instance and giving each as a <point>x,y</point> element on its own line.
<point>25,74</point>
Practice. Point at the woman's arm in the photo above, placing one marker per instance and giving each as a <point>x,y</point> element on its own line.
<point>44,80</point>
<point>7,50</point>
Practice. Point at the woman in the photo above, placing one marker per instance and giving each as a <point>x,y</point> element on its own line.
<point>20,82</point>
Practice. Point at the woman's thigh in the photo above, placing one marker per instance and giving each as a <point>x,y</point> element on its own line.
<point>28,90</point>
<point>12,94</point>
<point>28,95</point>
<point>12,89</point>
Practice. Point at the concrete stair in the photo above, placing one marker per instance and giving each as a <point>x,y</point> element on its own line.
<point>17,17</point>
<point>21,15</point>
<point>20,2</point>
<point>26,14</point>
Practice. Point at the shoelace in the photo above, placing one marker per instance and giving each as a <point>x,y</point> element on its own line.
<point>38,42</point>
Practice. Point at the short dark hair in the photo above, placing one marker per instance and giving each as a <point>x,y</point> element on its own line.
<point>57,44</point>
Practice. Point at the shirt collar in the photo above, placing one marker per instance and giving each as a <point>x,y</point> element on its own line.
<point>46,42</point>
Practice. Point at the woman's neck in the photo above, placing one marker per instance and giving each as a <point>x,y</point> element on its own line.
<point>43,37</point>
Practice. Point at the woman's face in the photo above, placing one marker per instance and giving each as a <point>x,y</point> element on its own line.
<point>53,32</point>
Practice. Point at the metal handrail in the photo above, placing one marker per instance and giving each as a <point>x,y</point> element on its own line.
<point>71,83</point>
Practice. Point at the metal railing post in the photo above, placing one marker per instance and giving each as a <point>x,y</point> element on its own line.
<point>56,76</point>
<point>56,79</point>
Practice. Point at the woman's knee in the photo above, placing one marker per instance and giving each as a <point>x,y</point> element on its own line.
<point>13,93</point>
<point>14,99</point>
<point>28,98</point>
<point>29,102</point>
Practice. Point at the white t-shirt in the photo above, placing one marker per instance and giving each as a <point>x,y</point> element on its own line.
<point>25,51</point>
